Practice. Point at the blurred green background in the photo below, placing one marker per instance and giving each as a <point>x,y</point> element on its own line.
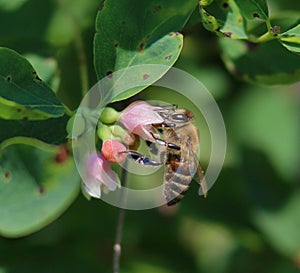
<point>250,221</point>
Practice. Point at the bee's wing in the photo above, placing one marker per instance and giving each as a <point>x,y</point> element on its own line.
<point>201,180</point>
<point>197,172</point>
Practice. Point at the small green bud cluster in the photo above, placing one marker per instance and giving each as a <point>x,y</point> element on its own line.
<point>107,129</point>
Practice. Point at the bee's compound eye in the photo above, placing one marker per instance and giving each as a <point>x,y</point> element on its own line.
<point>179,117</point>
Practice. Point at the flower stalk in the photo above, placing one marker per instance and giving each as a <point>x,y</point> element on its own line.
<point>120,224</point>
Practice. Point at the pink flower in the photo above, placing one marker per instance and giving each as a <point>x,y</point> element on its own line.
<point>138,118</point>
<point>111,149</point>
<point>99,175</point>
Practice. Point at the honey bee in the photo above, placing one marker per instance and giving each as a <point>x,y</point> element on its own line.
<point>180,140</point>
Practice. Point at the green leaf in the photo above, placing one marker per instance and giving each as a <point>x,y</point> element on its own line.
<point>275,203</point>
<point>291,39</point>
<point>210,236</point>
<point>269,118</point>
<point>47,68</point>
<point>281,227</point>
<point>266,63</point>
<point>69,17</point>
<point>8,5</point>
<point>204,3</point>
<point>33,195</point>
<point>224,17</point>
<point>282,22</point>
<point>52,131</point>
<point>165,51</point>
<point>136,33</point>
<point>24,29</point>
<point>23,91</point>
<point>253,9</point>
<point>209,22</point>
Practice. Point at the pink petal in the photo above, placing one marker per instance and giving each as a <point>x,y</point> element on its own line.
<point>143,132</point>
<point>99,173</point>
<point>138,115</point>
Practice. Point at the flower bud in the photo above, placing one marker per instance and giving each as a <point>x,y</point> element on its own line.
<point>118,131</point>
<point>109,115</point>
<point>104,132</point>
<point>111,149</point>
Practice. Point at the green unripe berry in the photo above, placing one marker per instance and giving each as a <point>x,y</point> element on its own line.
<point>104,132</point>
<point>109,115</point>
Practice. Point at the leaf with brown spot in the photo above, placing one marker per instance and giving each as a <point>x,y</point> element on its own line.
<point>225,18</point>
<point>266,63</point>
<point>253,9</point>
<point>142,30</point>
<point>21,88</point>
<point>37,193</point>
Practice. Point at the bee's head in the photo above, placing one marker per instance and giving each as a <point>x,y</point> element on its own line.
<point>181,116</point>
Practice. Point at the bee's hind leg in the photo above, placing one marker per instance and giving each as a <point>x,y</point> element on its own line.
<point>141,159</point>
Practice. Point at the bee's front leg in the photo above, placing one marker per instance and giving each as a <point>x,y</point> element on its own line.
<point>164,143</point>
<point>141,159</point>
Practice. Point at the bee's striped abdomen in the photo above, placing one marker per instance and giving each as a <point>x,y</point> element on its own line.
<point>177,178</point>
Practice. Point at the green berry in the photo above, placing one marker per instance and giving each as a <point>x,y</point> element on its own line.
<point>109,115</point>
<point>104,132</point>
